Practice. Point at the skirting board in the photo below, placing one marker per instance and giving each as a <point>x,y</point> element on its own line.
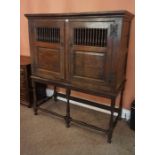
<point>125,112</point>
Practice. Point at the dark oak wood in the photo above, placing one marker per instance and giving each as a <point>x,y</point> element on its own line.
<point>26,93</point>
<point>25,85</point>
<point>68,118</point>
<point>86,52</point>
<point>84,14</point>
<point>111,122</point>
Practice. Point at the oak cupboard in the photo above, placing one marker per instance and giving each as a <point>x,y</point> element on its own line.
<point>86,52</point>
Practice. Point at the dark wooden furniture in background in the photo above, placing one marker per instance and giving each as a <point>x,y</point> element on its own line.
<point>86,52</point>
<point>25,82</point>
<point>26,93</point>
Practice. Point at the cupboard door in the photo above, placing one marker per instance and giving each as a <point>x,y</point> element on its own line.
<point>90,54</point>
<point>47,43</point>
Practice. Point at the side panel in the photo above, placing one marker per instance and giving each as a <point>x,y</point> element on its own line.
<point>121,46</point>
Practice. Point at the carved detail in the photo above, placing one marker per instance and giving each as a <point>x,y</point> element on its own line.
<point>113,30</point>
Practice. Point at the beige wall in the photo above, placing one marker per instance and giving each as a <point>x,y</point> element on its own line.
<point>60,6</point>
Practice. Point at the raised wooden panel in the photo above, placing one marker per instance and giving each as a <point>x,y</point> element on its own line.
<point>89,65</point>
<point>49,63</point>
<point>49,59</point>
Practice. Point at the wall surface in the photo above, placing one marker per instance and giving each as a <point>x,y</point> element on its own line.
<point>61,6</point>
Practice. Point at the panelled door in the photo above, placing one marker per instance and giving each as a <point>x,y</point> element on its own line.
<point>90,54</point>
<point>47,48</point>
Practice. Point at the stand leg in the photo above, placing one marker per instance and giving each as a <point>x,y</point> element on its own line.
<point>67,118</point>
<point>121,104</point>
<point>30,103</point>
<point>34,98</point>
<point>111,120</point>
<point>55,94</point>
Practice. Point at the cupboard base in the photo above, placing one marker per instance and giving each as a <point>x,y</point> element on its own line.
<point>68,118</point>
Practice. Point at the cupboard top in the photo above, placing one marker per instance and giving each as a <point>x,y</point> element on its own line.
<point>121,13</point>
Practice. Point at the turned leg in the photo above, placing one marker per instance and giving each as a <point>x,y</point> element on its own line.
<point>121,104</point>
<point>55,94</point>
<point>110,132</point>
<point>34,98</point>
<point>67,118</point>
